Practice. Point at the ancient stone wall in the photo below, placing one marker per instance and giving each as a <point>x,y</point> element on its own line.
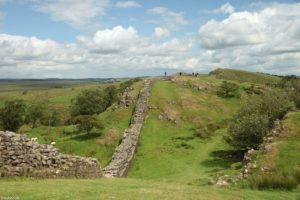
<point>21,156</point>
<point>124,153</point>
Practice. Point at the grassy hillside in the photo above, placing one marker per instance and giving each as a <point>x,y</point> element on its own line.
<point>170,148</point>
<point>244,76</point>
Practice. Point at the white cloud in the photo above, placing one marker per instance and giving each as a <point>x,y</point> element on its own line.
<point>106,53</point>
<point>113,40</point>
<point>127,4</point>
<point>160,32</point>
<point>226,8</point>
<point>76,13</point>
<point>267,40</point>
<point>29,55</point>
<point>168,19</point>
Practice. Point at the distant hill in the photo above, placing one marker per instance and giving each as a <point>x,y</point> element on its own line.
<point>244,76</point>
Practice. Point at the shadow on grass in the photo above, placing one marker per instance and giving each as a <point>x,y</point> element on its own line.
<point>86,136</point>
<point>223,159</point>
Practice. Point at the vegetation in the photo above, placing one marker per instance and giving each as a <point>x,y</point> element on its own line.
<point>244,76</point>
<point>87,122</point>
<point>227,89</point>
<point>180,154</point>
<point>133,189</point>
<point>255,118</point>
<point>89,102</point>
<point>34,113</point>
<point>12,115</point>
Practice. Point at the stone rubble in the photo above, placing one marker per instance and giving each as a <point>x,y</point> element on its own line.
<point>21,156</point>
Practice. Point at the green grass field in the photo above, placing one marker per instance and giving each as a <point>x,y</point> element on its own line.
<point>130,189</point>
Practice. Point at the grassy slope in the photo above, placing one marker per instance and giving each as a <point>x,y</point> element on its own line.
<point>128,189</point>
<point>169,159</point>
<point>244,76</point>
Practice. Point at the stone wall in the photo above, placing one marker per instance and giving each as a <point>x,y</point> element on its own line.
<point>21,156</point>
<point>124,153</point>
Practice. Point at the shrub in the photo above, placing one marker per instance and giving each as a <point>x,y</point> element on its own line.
<point>12,115</point>
<point>248,131</point>
<point>227,89</point>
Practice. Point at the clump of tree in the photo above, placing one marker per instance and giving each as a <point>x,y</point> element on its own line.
<point>35,112</point>
<point>255,118</point>
<point>291,84</point>
<point>228,89</point>
<point>87,122</point>
<point>12,115</point>
<point>90,103</point>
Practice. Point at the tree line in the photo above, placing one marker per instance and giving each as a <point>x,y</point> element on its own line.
<point>84,110</point>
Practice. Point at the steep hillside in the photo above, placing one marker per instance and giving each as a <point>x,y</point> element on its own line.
<point>244,76</point>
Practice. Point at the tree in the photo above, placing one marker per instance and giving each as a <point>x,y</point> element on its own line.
<point>34,113</point>
<point>87,123</point>
<point>110,94</point>
<point>227,89</point>
<point>255,118</point>
<point>12,114</point>
<point>248,132</point>
<point>88,102</point>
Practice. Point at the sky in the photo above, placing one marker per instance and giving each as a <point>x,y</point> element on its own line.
<point>126,38</point>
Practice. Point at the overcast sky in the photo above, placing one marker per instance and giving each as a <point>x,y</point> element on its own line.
<point>111,38</point>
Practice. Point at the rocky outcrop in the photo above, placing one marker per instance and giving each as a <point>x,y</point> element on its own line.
<point>124,153</point>
<point>21,156</point>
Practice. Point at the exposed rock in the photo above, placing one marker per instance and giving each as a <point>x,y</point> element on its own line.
<point>21,156</point>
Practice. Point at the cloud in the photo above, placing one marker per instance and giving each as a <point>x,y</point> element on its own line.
<point>113,40</point>
<point>160,32</point>
<point>108,52</point>
<point>168,19</point>
<point>226,8</point>
<point>29,55</point>
<point>127,4</point>
<point>76,13</point>
<point>265,40</point>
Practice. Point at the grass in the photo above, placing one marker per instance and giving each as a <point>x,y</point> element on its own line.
<point>129,189</point>
<point>168,149</point>
<point>244,76</point>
